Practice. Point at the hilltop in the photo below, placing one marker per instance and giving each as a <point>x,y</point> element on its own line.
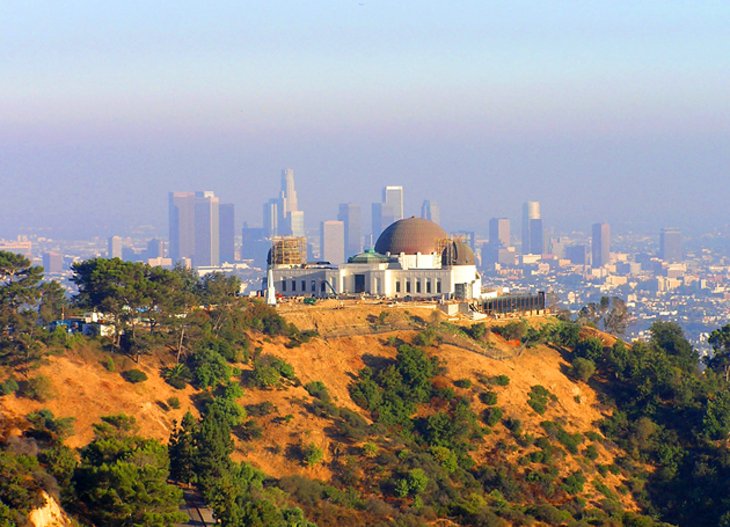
<point>353,337</point>
<point>345,413</point>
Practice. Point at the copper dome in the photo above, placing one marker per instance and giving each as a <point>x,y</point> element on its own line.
<point>458,253</point>
<point>411,236</point>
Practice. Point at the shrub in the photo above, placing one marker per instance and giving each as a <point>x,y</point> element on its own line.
<point>177,376</point>
<point>38,388</point>
<point>462,383</point>
<point>108,364</point>
<point>250,430</point>
<point>574,483</point>
<point>489,397</point>
<point>591,452</point>
<point>318,389</point>
<point>499,380</point>
<point>173,402</point>
<point>583,369</point>
<point>514,330</point>
<point>312,455</point>
<point>261,409</point>
<point>492,416</point>
<point>134,376</point>
<point>268,371</point>
<point>539,397</point>
<point>8,386</point>
<point>209,368</point>
<point>370,450</point>
<point>412,483</point>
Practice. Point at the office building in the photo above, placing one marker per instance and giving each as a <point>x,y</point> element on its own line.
<point>537,236</point>
<point>271,218</point>
<point>290,219</point>
<point>382,216</point>
<point>577,254</point>
<point>155,249</point>
<point>670,245</point>
<point>227,226</point>
<point>114,247</point>
<point>393,197</point>
<point>182,225</point>
<point>430,211</point>
<point>600,244</point>
<point>195,227</point>
<point>332,241</point>
<point>499,232</point>
<point>351,216</point>
<point>530,212</point>
<point>255,244</point>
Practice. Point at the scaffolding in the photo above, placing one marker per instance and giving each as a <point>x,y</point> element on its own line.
<point>288,250</point>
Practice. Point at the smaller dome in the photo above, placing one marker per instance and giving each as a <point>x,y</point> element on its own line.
<point>367,257</point>
<point>458,253</point>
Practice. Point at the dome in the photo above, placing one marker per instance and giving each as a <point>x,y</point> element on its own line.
<point>458,253</point>
<point>411,236</point>
<point>367,257</point>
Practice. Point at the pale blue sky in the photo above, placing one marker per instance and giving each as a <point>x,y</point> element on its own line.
<point>614,111</point>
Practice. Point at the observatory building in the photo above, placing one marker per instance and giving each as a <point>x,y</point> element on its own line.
<point>413,257</point>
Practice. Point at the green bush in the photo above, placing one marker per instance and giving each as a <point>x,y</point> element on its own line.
<point>37,388</point>
<point>492,416</point>
<point>574,483</point>
<point>412,483</point>
<point>318,390</point>
<point>312,455</point>
<point>270,371</point>
<point>261,409</point>
<point>134,376</point>
<point>173,402</point>
<point>8,387</point>
<point>583,369</point>
<point>177,376</point>
<point>499,380</point>
<point>109,365</point>
<point>462,383</point>
<point>209,368</point>
<point>539,397</point>
<point>489,397</point>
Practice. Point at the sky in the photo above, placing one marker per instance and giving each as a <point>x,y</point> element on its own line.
<point>612,111</point>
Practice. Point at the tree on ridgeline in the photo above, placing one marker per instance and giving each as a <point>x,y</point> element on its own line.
<point>720,360</point>
<point>20,291</point>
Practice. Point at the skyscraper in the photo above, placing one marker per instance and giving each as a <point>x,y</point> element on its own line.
<point>430,211</point>
<point>537,236</point>
<point>332,241</point>
<point>227,226</point>
<point>115,247</point>
<point>52,262</point>
<point>393,197</point>
<point>271,218</point>
<point>195,227</point>
<point>530,211</point>
<point>670,245</point>
<point>182,225</point>
<point>600,244</point>
<point>351,216</point>
<point>207,229</point>
<point>499,235</point>
<point>288,192</point>
<point>382,216</point>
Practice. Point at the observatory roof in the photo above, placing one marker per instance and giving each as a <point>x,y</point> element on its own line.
<point>369,256</point>
<point>458,253</point>
<point>411,236</point>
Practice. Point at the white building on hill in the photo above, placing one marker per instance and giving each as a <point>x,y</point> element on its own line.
<point>413,257</point>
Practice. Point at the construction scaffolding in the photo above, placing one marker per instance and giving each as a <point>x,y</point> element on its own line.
<point>288,250</point>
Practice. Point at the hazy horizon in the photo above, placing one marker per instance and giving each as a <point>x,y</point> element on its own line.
<point>602,111</point>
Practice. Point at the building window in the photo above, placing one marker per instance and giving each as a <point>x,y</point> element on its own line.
<point>323,286</point>
<point>293,285</point>
<point>304,286</point>
<point>397,286</point>
<point>418,285</point>
<point>408,286</point>
<point>428,285</point>
<point>438,285</point>
<point>314,286</point>
<point>283,286</point>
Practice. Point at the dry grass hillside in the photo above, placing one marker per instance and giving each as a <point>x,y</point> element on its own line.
<point>86,390</point>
